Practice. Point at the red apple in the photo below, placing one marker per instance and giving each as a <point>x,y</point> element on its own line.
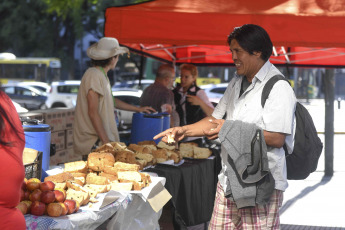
<point>37,208</point>
<point>48,197</point>
<point>32,184</point>
<point>59,196</point>
<point>54,209</point>
<point>71,205</point>
<point>26,195</point>
<point>77,206</point>
<point>24,185</point>
<point>22,207</point>
<point>64,209</point>
<point>28,204</point>
<point>35,195</point>
<point>22,195</point>
<point>47,186</point>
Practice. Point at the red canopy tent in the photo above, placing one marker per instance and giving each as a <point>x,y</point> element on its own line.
<point>195,31</point>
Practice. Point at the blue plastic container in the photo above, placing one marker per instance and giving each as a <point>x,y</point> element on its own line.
<point>38,136</point>
<point>145,127</point>
<point>166,121</point>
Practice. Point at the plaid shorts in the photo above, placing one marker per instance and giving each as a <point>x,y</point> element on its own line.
<point>226,216</point>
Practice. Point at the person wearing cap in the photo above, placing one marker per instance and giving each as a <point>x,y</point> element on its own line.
<point>95,122</point>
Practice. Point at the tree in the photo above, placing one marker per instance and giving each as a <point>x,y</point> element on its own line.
<point>50,28</point>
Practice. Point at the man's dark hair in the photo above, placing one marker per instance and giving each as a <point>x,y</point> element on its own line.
<point>253,38</point>
<point>102,63</point>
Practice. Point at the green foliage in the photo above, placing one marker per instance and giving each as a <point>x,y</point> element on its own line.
<point>50,28</point>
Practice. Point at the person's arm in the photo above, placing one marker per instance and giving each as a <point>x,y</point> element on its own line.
<point>193,130</point>
<point>273,139</point>
<point>125,106</point>
<point>195,100</point>
<point>92,102</point>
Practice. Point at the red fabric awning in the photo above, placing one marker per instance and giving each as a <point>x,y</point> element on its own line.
<point>196,30</point>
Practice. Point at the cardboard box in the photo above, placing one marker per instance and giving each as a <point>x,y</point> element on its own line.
<point>59,139</point>
<point>69,116</point>
<point>60,157</point>
<point>55,118</point>
<point>69,138</point>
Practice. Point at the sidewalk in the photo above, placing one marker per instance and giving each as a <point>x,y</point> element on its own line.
<point>315,201</point>
<point>318,202</point>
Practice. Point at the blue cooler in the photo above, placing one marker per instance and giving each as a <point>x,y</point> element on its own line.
<point>166,120</point>
<point>145,127</point>
<point>37,136</point>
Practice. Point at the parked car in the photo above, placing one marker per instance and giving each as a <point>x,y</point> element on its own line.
<point>133,84</point>
<point>130,96</point>
<point>63,94</point>
<point>44,87</point>
<point>19,108</point>
<point>26,96</point>
<point>215,91</point>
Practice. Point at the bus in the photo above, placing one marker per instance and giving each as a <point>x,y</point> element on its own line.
<point>13,69</point>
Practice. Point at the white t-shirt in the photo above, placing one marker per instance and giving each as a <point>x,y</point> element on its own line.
<point>276,116</point>
<point>84,134</point>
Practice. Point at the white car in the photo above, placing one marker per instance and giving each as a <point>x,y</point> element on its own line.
<point>42,86</point>
<point>130,96</point>
<point>214,92</point>
<point>63,94</point>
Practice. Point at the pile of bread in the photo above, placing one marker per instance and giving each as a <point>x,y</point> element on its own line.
<point>144,153</point>
<point>84,180</point>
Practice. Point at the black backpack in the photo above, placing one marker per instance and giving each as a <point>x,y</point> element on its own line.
<point>308,146</point>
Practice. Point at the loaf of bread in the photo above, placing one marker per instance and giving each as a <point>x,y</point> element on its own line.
<point>129,176</point>
<point>120,166</point>
<point>111,170</point>
<point>118,146</point>
<point>186,149</point>
<point>81,196</point>
<point>59,178</point>
<point>125,156</point>
<point>117,186</point>
<point>59,186</point>
<point>76,166</point>
<point>201,153</point>
<point>94,189</point>
<point>175,156</point>
<point>139,148</point>
<point>163,145</point>
<point>142,163</point>
<point>151,147</point>
<point>97,161</point>
<point>107,148</point>
<point>147,157</point>
<point>110,177</point>
<point>92,178</point>
<point>160,153</point>
<point>73,185</point>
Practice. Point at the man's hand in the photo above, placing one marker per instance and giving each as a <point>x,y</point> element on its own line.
<point>213,132</point>
<point>147,109</point>
<point>176,133</point>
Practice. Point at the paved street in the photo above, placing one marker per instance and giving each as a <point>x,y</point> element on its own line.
<point>318,202</point>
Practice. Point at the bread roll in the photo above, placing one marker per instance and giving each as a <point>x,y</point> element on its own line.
<point>201,153</point>
<point>97,161</point>
<point>76,166</point>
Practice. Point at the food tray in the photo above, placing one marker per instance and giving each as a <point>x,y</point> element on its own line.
<point>34,170</point>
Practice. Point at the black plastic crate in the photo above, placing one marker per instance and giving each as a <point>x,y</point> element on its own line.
<point>34,170</point>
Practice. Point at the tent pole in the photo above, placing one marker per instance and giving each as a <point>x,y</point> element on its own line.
<point>329,121</point>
